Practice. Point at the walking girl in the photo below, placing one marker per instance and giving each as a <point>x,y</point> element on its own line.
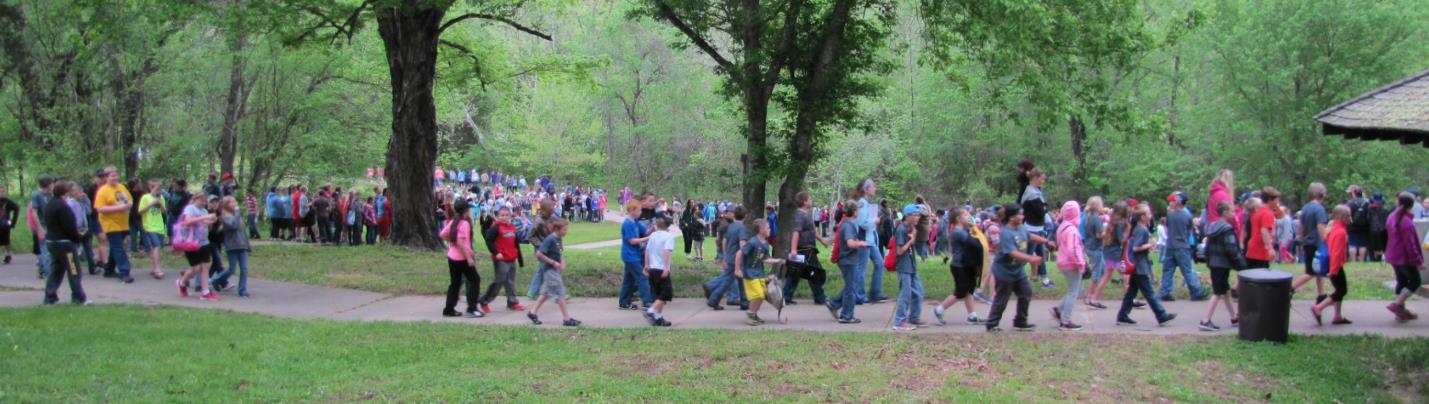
<point>461,262</point>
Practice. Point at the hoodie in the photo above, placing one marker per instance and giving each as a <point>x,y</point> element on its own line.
<point>1222,249</point>
<point>1072,257</point>
<point>1219,194</point>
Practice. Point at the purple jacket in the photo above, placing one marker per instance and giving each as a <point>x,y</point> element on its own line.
<point>1403,248</point>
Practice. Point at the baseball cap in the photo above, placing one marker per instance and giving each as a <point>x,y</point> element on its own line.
<point>227,176</point>
<point>912,209</point>
<point>1177,196</point>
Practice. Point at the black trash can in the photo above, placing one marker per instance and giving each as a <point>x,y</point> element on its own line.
<point>1264,305</point>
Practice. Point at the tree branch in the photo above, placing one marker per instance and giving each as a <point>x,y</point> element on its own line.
<point>496,18</point>
<point>669,15</point>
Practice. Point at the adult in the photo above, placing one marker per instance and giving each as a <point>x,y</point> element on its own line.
<point>63,236</point>
<point>1314,226</point>
<point>39,200</point>
<point>1034,209</point>
<point>9,214</point>
<point>1222,191</point>
<point>1379,235</point>
<point>804,263</point>
<point>868,220</point>
<point>1178,250</point>
<point>1405,255</point>
<point>690,226</point>
<point>113,202</point>
<point>1360,223</point>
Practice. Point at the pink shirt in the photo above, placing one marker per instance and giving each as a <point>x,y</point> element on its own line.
<point>463,238</point>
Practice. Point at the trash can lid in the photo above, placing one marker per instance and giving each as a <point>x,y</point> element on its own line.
<point>1265,276</point>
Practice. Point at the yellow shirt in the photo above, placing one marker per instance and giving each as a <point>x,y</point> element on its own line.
<point>110,195</point>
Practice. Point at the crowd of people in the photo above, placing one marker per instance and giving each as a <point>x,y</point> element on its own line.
<point>993,254</point>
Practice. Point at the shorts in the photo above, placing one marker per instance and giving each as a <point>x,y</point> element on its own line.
<point>202,256</point>
<point>754,288</point>
<point>5,235</point>
<point>1309,258</point>
<point>151,240</point>
<point>1359,239</point>
<point>660,286</point>
<point>552,284</point>
<point>1114,265</point>
<point>964,281</point>
<point>1341,287</point>
<point>1220,280</point>
<point>1096,267</point>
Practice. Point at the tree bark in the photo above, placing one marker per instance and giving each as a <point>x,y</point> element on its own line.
<point>409,35</point>
<point>237,95</point>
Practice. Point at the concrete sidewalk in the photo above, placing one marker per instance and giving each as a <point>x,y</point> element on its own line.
<point>290,300</point>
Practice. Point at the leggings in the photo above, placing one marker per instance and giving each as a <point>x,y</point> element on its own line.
<point>1341,287</point>
<point>461,273</point>
<point>1406,277</point>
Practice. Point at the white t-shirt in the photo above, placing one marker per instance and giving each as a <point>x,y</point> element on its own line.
<point>660,242</point>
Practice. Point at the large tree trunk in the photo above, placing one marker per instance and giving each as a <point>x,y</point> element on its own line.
<point>755,160</point>
<point>409,35</point>
<point>237,96</point>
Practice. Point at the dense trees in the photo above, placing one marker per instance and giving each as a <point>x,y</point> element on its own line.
<point>706,98</point>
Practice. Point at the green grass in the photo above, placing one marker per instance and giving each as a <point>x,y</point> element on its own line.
<point>587,232</point>
<point>161,354</point>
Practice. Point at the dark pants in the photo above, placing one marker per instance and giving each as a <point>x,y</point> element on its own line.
<point>1039,250</point>
<point>815,273</point>
<point>1023,288</point>
<point>371,234</point>
<point>689,241</point>
<point>461,272</point>
<point>1142,284</point>
<point>253,227</point>
<point>324,229</point>
<point>1406,277</point>
<point>354,234</point>
<point>62,254</point>
<point>274,224</point>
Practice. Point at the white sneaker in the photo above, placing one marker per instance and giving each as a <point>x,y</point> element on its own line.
<point>973,319</point>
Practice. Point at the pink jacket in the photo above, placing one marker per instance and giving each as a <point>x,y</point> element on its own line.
<point>1070,257</point>
<point>1219,194</point>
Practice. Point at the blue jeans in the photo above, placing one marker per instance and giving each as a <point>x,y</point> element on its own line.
<point>236,259</point>
<point>88,254</point>
<point>634,280</point>
<point>44,262</point>
<point>853,284</point>
<point>1140,283</point>
<point>118,256</point>
<point>536,283</point>
<point>725,285</point>
<point>875,286</point>
<point>134,234</point>
<point>253,227</point>
<point>1039,250</point>
<point>1178,258</point>
<point>910,298</point>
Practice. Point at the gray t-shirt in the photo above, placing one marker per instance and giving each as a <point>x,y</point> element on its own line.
<point>805,226</point>
<point>38,200</point>
<point>1178,230</point>
<point>1139,237</point>
<point>1311,217</point>
<point>850,255</point>
<point>1092,227</point>
<point>551,248</point>
<point>1004,266</point>
<point>906,262</point>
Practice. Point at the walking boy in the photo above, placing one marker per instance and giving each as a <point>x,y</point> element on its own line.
<point>910,287</point>
<point>552,265</point>
<point>1007,269</point>
<point>1178,250</point>
<point>749,267</point>
<point>657,270</point>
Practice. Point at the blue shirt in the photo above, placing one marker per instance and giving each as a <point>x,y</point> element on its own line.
<point>849,256</point>
<point>1311,217</point>
<point>867,214</point>
<point>907,263</point>
<point>709,212</point>
<point>733,234</point>
<point>631,230</point>
<point>1004,266</point>
<point>1139,237</point>
<point>1178,230</point>
<point>755,252</point>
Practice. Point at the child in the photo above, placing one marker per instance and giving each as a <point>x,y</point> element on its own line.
<point>749,267</point>
<point>965,265</point>
<point>632,254</point>
<point>910,288</point>
<point>1338,242</point>
<point>552,265</point>
<point>9,215</point>
<point>726,284</point>
<point>1093,226</point>
<point>1072,261</point>
<point>501,243</point>
<point>1404,255</point>
<point>197,219</point>
<point>151,209</point>
<point>461,262</point>
<point>657,270</point>
<point>1223,253</point>
<point>853,253</point>
<point>1007,268</point>
<point>1113,236</point>
<point>235,244</point>
<point>1140,245</point>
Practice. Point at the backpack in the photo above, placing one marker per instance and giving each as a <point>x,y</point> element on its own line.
<point>1128,263</point>
<point>838,242</point>
<point>187,238</point>
<point>890,260</point>
<point>1321,263</point>
<point>1359,213</point>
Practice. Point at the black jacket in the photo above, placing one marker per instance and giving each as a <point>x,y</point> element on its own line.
<point>1222,249</point>
<point>59,222</point>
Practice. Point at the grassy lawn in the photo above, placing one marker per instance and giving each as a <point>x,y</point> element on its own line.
<point>587,232</point>
<point>154,354</point>
<point>598,272</point>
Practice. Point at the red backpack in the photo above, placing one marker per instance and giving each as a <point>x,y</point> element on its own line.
<point>835,256</point>
<point>890,260</point>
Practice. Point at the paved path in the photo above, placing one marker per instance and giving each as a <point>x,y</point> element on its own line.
<point>290,300</point>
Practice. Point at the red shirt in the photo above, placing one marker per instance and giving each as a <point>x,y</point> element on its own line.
<point>1338,243</point>
<point>1264,219</point>
<point>506,242</point>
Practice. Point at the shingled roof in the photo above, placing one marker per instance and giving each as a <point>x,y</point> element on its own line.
<point>1398,111</point>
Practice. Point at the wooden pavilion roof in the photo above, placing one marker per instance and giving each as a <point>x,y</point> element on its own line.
<point>1398,111</point>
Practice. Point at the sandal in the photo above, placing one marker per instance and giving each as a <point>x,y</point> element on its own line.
<point>157,274</point>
